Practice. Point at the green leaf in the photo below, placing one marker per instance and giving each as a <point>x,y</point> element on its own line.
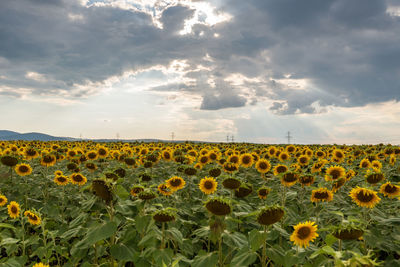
<point>71,233</point>
<point>235,240</point>
<point>142,222</point>
<point>209,260</point>
<point>8,241</point>
<point>6,225</point>
<point>98,233</point>
<point>121,192</point>
<point>256,239</point>
<point>330,240</point>
<point>175,234</point>
<point>244,257</point>
<point>122,253</point>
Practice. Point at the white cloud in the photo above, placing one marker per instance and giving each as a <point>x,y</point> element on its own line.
<point>35,76</point>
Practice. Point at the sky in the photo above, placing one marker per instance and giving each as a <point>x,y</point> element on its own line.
<point>327,71</point>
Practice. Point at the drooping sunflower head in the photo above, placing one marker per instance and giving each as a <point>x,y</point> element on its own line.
<point>3,200</point>
<point>102,189</point>
<point>165,215</point>
<point>9,161</point>
<point>61,180</point>
<point>33,218</point>
<point>321,194</point>
<point>334,173</point>
<point>218,206</point>
<point>214,172</point>
<point>231,183</point>
<point>374,176</point>
<point>244,190</point>
<point>304,233</point>
<point>263,192</point>
<point>23,169</point>
<point>348,232</point>
<point>280,168</point>
<point>147,195</point>
<point>306,180</point>
<point>263,166</point>
<point>190,171</point>
<point>289,178</point>
<point>270,215</point>
<point>78,178</point>
<point>364,197</point>
<point>163,189</point>
<point>13,209</point>
<point>208,185</point>
<point>390,190</point>
<point>175,183</point>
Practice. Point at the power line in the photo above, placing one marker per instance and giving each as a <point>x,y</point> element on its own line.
<point>289,137</point>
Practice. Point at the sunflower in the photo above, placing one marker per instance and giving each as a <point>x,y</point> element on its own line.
<point>136,189</point>
<point>102,152</point>
<point>9,161</point>
<point>175,183</point>
<point>390,190</point>
<point>283,156</point>
<point>13,209</point>
<point>215,172</point>
<point>61,180</point>
<point>48,160</point>
<point>91,166</point>
<point>339,155</point>
<point>270,215</point>
<point>58,173</point>
<point>164,190</point>
<point>374,177</point>
<point>320,154</point>
<point>165,215</point>
<point>321,194</point>
<point>208,185</point>
<point>280,168</point>
<point>334,173</point>
<point>350,174</point>
<point>234,159</point>
<point>102,189</point>
<point>230,167</point>
<point>246,160</point>
<point>33,218</point>
<point>304,233</point>
<point>263,192</point>
<point>92,155</point>
<point>338,184</point>
<point>244,190</point>
<point>78,178</point>
<point>23,169</point>
<point>303,160</point>
<point>263,166</point>
<point>376,164</point>
<point>348,233</point>
<point>306,180</point>
<point>203,160</point>
<point>3,200</point>
<point>365,163</point>
<point>289,178</point>
<point>40,264</point>
<point>364,197</point>
<point>218,206</point>
<point>231,183</point>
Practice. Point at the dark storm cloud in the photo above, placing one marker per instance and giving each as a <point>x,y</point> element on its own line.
<point>348,49</point>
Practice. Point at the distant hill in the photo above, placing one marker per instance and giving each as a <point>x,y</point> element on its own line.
<point>10,136</point>
<point>4,133</point>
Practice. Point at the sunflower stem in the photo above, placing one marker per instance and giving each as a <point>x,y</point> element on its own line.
<point>340,244</point>
<point>23,234</point>
<point>112,241</point>
<point>220,251</point>
<point>163,235</point>
<point>264,249</point>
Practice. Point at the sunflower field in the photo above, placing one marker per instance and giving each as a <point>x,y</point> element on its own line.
<point>198,204</point>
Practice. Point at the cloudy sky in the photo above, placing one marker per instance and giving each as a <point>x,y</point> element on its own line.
<point>327,71</point>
